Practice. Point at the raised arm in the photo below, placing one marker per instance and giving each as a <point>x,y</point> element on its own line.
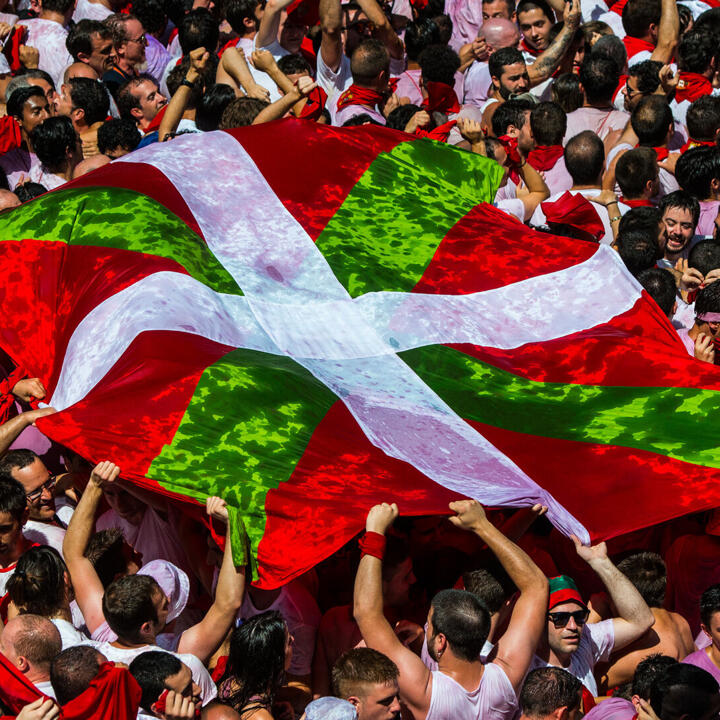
<point>14,426</point>
<point>383,29</point>
<point>529,616</point>
<point>537,189</point>
<point>233,65</point>
<point>304,87</point>
<point>179,101</point>
<point>415,678</point>
<point>668,32</point>
<point>547,62</point>
<point>203,639</point>
<point>267,34</point>
<point>635,617</point>
<point>89,590</point>
<point>331,25</point>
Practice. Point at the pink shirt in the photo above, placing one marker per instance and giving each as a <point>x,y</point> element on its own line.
<point>687,341</point>
<point>599,121</point>
<point>86,10</point>
<point>557,178</point>
<point>466,19</point>
<point>708,213</point>
<point>409,86</point>
<point>612,709</point>
<point>701,659</point>
<point>48,37</point>
<point>341,116</point>
<point>19,162</point>
<point>478,84</point>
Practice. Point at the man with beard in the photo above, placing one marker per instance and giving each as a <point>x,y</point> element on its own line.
<point>680,215</point>
<point>572,644</point>
<point>368,680</point>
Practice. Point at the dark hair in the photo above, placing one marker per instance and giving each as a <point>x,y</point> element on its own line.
<point>660,285</point>
<point>611,46</point>
<point>118,133</point>
<point>79,37</point>
<point>685,15</point>
<point>709,21</point>
<point>439,63</point>
<point>444,24</point>
<point>29,190</point>
<point>419,35</point>
<point>548,122</point>
<point>646,219</point>
<point>60,6</point>
<point>174,80</point>
<point>15,459</point>
<point>151,669</point>
<point>638,15</point>
<point>648,669</point>
<point>12,498</point>
<point>53,139</point>
<point>705,256</point>
<point>151,15</point>
<point>198,29</point>
<point>19,97</point>
<point>647,572</point>
<point>696,169</point>
<point>510,4</point>
<point>105,551</point>
<point>294,64</point>
<point>637,249</point>
<point>696,51</point>
<point>599,76</point>
<point>634,170</point>
<point>703,117</point>
<point>72,671</point>
<point>683,690</point>
<point>527,5</point>
<point>397,551</point>
<point>360,119</point>
<point>236,11</point>
<point>585,157</point>
<point>681,199</point>
<point>257,659</point>
<point>567,93</point>
<point>707,300</point>
<point>126,101</point>
<point>128,603</point>
<point>368,60</point>
<point>241,112</point>
<point>176,9</point>
<point>400,116</point>
<point>212,106</point>
<point>90,96</point>
<point>38,584</point>
<point>651,120</point>
<point>548,689</point>
<point>463,619</point>
<point>512,112</point>
<point>503,57</point>
<point>647,73</point>
<point>710,599</point>
<point>360,667</point>
<point>487,587</point>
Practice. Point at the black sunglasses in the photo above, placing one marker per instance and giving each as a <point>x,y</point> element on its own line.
<point>561,619</point>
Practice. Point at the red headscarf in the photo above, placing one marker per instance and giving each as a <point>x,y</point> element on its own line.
<point>576,211</point>
<point>441,97</point>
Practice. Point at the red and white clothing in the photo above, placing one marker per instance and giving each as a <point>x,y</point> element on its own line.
<point>48,37</point>
<point>637,50</point>
<point>538,217</point>
<point>409,86</point>
<point>613,709</point>
<point>549,161</point>
<point>599,121</point>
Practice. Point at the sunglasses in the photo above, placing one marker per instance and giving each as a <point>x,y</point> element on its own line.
<point>561,619</point>
<point>48,485</point>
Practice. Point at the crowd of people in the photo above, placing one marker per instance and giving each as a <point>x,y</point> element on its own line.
<point>117,604</point>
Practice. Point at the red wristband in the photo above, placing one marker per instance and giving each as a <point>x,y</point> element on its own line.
<point>372,543</point>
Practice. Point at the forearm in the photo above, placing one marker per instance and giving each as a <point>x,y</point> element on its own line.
<point>367,595</point>
<point>270,23</point>
<point>10,430</point>
<point>384,29</point>
<point>230,588</point>
<point>174,112</point>
<point>533,180</point>
<point>331,24</point>
<point>614,217</point>
<point>277,109</point>
<point>233,62</point>
<point>281,80</point>
<point>547,63</point>
<point>82,523</point>
<point>627,600</point>
<point>668,32</point>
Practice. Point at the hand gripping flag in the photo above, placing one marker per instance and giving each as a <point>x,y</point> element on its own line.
<point>309,320</point>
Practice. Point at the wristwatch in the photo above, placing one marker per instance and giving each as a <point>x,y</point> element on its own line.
<point>187,83</point>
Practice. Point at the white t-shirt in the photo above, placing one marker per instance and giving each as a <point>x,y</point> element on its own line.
<point>44,534</point>
<point>46,688</point>
<point>494,698</point>
<point>69,634</point>
<point>598,121</point>
<point>48,37</point>
<point>86,10</point>
<point>200,674</point>
<point>596,643</point>
<point>302,615</point>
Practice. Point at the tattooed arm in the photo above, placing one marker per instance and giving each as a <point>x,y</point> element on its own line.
<point>546,64</point>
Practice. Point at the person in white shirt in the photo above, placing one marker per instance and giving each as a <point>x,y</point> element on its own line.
<point>30,643</point>
<point>458,625</point>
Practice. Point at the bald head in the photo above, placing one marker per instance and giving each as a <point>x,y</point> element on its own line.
<point>585,158</point>
<point>79,70</point>
<point>499,33</point>
<point>31,643</point>
<point>8,199</point>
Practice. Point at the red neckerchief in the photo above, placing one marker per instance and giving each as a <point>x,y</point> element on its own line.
<point>441,97</point>
<point>510,144</point>
<point>621,84</point>
<point>640,202</point>
<point>228,44</point>
<point>697,143</point>
<point>356,95</point>
<point>544,157</point>
<point>528,49</point>
<point>692,86</point>
<point>440,133</point>
<point>617,7</point>
<point>636,45</point>
<point>155,122</point>
<point>661,153</point>
<point>315,104</point>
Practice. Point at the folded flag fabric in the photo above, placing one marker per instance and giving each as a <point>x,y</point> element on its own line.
<point>309,320</point>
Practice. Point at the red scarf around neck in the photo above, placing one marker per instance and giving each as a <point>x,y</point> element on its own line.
<point>640,202</point>
<point>528,49</point>
<point>544,157</point>
<point>356,95</point>
<point>690,144</point>
<point>635,45</point>
<point>617,7</point>
<point>692,86</point>
<point>441,98</point>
